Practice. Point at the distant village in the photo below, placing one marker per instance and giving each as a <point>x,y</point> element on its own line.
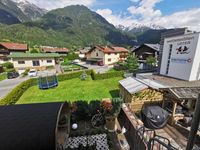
<point>158,84</point>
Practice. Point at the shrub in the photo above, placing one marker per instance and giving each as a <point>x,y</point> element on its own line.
<point>107,75</point>
<point>17,92</point>
<point>8,65</point>
<point>82,110</point>
<point>68,76</point>
<point>10,70</point>
<point>25,73</point>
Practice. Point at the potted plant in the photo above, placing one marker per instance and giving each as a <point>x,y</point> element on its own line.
<point>111,110</point>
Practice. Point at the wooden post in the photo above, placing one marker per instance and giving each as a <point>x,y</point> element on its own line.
<point>195,125</point>
<point>174,109</point>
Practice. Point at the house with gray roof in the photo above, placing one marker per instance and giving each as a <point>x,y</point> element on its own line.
<point>144,51</point>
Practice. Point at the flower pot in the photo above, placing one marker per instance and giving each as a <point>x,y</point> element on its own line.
<point>110,123</point>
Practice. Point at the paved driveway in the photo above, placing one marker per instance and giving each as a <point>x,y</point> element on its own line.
<point>98,69</point>
<point>8,84</point>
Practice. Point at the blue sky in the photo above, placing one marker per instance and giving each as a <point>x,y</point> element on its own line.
<point>164,13</point>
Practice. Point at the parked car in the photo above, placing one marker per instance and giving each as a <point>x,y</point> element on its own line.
<point>76,61</point>
<point>11,75</point>
<point>32,73</point>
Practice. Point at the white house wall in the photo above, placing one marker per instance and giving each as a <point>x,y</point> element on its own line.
<point>113,57</point>
<point>29,62</point>
<point>183,65</point>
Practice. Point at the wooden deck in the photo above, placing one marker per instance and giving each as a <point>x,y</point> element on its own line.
<point>176,138</point>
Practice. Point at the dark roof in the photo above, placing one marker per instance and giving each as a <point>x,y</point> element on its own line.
<point>155,47</point>
<point>14,46</point>
<point>29,127</point>
<point>33,55</point>
<point>185,92</point>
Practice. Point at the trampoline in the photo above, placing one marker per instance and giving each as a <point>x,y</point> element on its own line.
<point>47,82</point>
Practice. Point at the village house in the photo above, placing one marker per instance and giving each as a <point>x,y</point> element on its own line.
<point>106,55</point>
<point>39,61</point>
<point>144,51</point>
<point>8,47</point>
<point>48,49</point>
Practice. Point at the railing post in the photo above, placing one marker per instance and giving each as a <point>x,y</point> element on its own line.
<point>195,125</point>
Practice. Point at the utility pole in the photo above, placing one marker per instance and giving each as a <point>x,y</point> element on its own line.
<point>195,125</point>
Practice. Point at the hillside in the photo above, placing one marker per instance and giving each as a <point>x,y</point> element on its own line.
<point>69,26</point>
<point>15,12</point>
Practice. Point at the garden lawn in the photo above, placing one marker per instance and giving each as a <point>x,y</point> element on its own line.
<point>3,76</point>
<point>72,90</point>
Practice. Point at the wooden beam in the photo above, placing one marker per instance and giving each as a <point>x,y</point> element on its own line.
<point>195,125</point>
<point>174,109</point>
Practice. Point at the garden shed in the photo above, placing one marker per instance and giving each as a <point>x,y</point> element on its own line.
<point>137,93</point>
<point>33,126</point>
<point>180,102</point>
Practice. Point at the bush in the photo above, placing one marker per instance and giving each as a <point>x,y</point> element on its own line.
<point>71,56</point>
<point>68,76</point>
<point>25,73</point>
<point>107,75</point>
<point>8,65</point>
<point>17,92</point>
<point>82,111</point>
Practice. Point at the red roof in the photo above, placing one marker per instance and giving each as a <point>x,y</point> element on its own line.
<point>54,49</point>
<point>14,46</point>
<point>110,49</point>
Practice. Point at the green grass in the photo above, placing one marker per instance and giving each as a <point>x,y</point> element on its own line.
<point>112,70</point>
<point>72,90</point>
<point>3,76</point>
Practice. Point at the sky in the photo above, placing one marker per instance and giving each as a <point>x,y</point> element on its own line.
<point>164,13</point>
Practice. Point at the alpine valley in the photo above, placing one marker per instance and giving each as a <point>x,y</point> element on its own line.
<point>71,26</point>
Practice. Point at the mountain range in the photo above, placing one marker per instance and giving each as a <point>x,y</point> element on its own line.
<point>69,26</point>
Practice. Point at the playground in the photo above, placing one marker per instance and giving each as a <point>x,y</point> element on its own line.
<point>73,90</point>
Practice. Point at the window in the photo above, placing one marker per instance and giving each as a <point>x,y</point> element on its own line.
<point>21,62</point>
<point>97,54</point>
<point>109,59</point>
<point>49,61</point>
<point>36,63</point>
<point>169,57</point>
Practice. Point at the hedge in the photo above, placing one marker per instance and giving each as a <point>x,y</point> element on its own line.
<point>17,92</point>
<point>108,75</point>
<point>68,76</point>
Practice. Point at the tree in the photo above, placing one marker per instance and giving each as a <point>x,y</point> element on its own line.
<point>151,61</point>
<point>35,49</point>
<point>132,64</point>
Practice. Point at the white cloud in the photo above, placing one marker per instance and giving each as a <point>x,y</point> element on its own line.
<point>115,19</point>
<point>145,10</point>
<point>189,18</point>
<point>53,4</point>
<point>146,14</point>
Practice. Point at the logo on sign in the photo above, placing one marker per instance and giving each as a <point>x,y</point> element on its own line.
<point>182,50</point>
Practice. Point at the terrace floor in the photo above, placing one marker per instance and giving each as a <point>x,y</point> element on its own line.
<point>168,81</point>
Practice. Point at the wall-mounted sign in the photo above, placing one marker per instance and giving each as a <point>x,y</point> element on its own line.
<point>181,61</point>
